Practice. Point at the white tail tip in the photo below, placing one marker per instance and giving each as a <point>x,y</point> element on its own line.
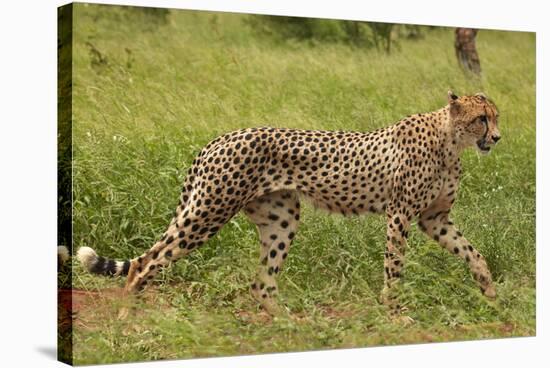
<point>63,253</point>
<point>87,256</point>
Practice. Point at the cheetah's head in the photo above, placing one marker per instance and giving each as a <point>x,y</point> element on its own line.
<point>475,121</point>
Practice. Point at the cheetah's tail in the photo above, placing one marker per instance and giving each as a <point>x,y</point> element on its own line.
<point>101,265</point>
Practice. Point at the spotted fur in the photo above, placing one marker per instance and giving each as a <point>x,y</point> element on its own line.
<point>409,170</point>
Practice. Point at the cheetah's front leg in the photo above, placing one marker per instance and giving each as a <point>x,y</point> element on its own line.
<point>438,226</point>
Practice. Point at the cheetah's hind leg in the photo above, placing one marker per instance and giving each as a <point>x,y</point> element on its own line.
<point>276,216</point>
<point>189,229</point>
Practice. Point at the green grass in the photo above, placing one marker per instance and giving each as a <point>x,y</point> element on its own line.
<point>167,89</point>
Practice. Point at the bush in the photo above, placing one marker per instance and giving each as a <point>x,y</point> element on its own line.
<point>382,35</point>
<point>363,34</point>
<point>283,28</point>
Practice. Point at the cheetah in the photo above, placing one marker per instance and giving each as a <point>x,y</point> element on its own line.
<point>408,171</point>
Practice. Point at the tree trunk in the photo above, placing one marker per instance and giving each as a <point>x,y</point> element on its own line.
<point>465,48</point>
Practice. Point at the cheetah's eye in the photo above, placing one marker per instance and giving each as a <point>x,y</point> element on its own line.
<point>483,118</point>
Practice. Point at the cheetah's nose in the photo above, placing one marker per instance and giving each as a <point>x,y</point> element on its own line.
<point>495,138</point>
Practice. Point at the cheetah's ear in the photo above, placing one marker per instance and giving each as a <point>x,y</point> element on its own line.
<point>453,103</point>
<point>451,97</point>
<point>481,94</point>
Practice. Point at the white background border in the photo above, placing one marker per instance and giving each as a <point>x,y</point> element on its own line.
<point>28,103</point>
